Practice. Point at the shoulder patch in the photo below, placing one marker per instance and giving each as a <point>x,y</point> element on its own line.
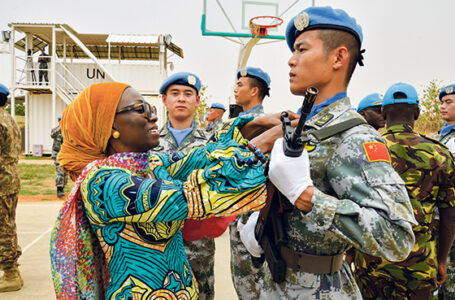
<point>376,151</point>
<point>324,119</point>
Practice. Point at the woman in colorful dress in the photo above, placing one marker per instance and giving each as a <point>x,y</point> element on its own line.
<point>118,235</point>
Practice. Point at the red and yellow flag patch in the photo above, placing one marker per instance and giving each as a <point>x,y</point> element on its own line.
<point>376,151</point>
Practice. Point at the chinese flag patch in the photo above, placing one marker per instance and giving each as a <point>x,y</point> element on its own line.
<point>376,151</point>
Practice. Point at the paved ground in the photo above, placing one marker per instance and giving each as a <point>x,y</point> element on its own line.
<point>34,222</point>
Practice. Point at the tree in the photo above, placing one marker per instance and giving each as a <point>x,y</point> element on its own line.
<point>201,110</point>
<point>19,108</point>
<point>430,121</point>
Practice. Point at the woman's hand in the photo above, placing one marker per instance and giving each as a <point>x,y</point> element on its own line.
<point>266,140</point>
<point>262,124</point>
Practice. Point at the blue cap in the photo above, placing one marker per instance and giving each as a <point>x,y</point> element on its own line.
<point>59,117</point>
<point>448,90</point>
<point>411,94</point>
<point>184,78</point>
<point>374,99</point>
<point>4,90</point>
<point>255,73</point>
<point>218,105</point>
<point>325,17</point>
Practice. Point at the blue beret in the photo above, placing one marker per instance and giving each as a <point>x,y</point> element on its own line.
<point>411,94</point>
<point>4,90</point>
<point>321,18</point>
<point>448,90</point>
<point>374,99</point>
<point>184,78</point>
<point>218,105</point>
<point>255,73</point>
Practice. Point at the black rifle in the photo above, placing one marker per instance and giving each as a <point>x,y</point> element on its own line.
<point>270,228</point>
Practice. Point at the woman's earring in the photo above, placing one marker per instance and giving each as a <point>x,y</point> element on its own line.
<point>116,134</point>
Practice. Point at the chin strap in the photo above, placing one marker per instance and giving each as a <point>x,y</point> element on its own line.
<point>360,60</point>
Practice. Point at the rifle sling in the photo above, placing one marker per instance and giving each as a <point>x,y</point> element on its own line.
<point>329,131</point>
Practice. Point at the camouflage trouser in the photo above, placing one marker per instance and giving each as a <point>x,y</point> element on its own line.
<point>9,249</point>
<point>247,279</point>
<point>61,178</point>
<point>447,291</point>
<point>201,256</point>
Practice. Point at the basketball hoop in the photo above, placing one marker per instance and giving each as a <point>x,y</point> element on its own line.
<point>258,29</point>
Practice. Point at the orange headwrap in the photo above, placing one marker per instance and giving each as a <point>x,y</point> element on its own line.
<point>87,125</point>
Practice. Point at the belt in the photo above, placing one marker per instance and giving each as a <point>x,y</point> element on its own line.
<point>316,264</point>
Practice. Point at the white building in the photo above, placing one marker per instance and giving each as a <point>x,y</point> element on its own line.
<point>77,60</point>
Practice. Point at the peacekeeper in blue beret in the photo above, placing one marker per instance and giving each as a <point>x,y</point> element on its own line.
<point>430,189</point>
<point>370,108</point>
<point>447,133</point>
<point>215,117</point>
<point>180,95</point>
<point>350,195</point>
<point>253,84</point>
<point>447,136</point>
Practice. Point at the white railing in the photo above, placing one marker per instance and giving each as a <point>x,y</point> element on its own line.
<point>67,84</point>
<point>31,74</point>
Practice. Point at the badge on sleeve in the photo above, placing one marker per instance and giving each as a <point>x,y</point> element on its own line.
<point>376,151</point>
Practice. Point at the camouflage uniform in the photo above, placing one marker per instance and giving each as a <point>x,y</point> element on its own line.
<point>447,291</point>
<point>200,253</point>
<point>61,178</point>
<point>10,147</point>
<point>359,201</point>
<point>216,125</point>
<point>427,168</point>
<point>247,279</point>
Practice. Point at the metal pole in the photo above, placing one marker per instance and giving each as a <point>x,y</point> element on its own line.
<point>13,71</point>
<point>53,77</point>
<point>26,123</point>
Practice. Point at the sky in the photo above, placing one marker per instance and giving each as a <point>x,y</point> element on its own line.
<point>405,40</point>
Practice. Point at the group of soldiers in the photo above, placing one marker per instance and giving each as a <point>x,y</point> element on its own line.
<point>386,200</point>
<point>373,214</point>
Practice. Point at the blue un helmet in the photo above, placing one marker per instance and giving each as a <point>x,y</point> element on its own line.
<point>184,78</point>
<point>448,90</point>
<point>374,99</point>
<point>411,96</point>
<point>218,105</point>
<point>326,17</point>
<point>4,90</point>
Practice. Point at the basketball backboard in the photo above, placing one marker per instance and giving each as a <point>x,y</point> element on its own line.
<point>231,18</point>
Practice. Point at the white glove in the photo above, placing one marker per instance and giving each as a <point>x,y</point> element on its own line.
<point>248,238</point>
<point>290,175</point>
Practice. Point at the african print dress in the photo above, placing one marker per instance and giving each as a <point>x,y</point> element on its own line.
<point>136,205</point>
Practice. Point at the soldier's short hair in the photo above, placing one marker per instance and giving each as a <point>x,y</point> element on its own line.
<point>335,38</point>
<point>261,85</point>
<point>3,99</point>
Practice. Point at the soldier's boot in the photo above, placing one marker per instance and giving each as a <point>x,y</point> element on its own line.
<point>11,280</point>
<point>60,192</point>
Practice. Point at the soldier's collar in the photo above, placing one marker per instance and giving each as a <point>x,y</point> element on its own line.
<point>198,132</point>
<point>398,128</point>
<point>164,131</point>
<point>330,113</point>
